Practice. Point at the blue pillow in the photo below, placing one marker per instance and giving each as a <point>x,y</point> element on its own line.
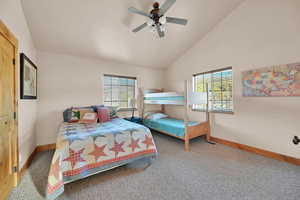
<point>67,114</point>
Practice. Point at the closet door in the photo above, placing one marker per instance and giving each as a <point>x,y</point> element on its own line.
<point>7,121</point>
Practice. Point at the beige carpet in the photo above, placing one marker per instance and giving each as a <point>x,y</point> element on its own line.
<point>213,172</point>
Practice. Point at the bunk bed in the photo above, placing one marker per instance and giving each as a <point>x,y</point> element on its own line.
<point>181,129</point>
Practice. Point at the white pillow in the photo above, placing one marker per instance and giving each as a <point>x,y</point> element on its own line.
<point>147,114</point>
<point>156,116</point>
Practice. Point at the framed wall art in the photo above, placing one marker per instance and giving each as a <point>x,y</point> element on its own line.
<point>28,76</point>
<point>273,81</point>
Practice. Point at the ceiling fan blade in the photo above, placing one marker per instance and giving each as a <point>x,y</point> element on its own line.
<point>137,29</point>
<point>166,6</point>
<point>177,20</point>
<point>136,11</point>
<point>160,33</point>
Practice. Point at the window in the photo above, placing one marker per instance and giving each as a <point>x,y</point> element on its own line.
<point>118,90</point>
<point>219,87</point>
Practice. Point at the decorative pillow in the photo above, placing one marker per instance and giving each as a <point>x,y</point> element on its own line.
<point>157,116</point>
<point>77,113</point>
<point>103,114</point>
<point>67,114</point>
<point>113,110</point>
<point>88,118</point>
<point>83,111</point>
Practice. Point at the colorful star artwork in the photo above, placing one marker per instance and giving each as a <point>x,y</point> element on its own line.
<point>74,157</point>
<point>55,169</point>
<point>118,147</point>
<point>98,152</point>
<point>134,144</point>
<point>148,141</point>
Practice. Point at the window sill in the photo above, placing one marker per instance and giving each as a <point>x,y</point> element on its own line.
<point>221,112</point>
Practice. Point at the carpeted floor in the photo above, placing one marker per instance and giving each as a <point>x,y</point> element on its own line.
<point>212,172</point>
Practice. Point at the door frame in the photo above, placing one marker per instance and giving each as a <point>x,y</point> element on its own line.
<point>14,146</point>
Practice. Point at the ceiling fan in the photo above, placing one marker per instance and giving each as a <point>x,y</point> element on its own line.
<point>157,19</point>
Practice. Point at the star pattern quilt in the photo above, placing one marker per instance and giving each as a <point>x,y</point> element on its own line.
<point>86,149</point>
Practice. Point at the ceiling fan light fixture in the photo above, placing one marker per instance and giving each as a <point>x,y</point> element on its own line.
<point>157,21</point>
<point>163,20</point>
<point>163,28</point>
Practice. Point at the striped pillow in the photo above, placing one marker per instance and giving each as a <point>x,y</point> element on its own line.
<point>103,114</point>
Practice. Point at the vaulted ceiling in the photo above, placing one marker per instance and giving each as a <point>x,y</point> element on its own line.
<point>102,28</point>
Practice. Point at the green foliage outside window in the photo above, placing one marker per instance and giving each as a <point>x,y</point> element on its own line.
<point>220,90</point>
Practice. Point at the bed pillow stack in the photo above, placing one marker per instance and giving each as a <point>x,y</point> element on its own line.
<point>90,114</point>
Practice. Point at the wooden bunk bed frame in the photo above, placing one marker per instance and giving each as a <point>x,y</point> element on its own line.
<point>191,132</point>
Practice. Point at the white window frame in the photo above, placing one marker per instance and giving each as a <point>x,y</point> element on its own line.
<point>194,108</point>
<point>121,76</point>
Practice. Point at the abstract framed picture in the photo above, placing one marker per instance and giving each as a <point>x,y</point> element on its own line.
<point>274,81</point>
<point>28,75</point>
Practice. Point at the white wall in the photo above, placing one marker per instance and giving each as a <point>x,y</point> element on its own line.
<point>258,33</point>
<point>66,81</point>
<point>11,13</point>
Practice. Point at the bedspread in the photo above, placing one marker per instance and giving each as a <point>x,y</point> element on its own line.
<point>86,149</point>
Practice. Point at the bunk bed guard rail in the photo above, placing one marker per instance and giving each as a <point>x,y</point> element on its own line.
<point>170,98</point>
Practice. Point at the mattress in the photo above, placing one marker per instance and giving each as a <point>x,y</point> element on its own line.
<point>170,98</point>
<point>169,125</point>
<point>86,149</point>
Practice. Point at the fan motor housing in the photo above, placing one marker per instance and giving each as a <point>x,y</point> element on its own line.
<point>155,13</point>
<point>156,5</point>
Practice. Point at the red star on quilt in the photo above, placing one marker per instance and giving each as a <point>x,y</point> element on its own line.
<point>74,157</point>
<point>55,169</point>
<point>148,141</point>
<point>98,152</point>
<point>118,148</point>
<point>134,144</point>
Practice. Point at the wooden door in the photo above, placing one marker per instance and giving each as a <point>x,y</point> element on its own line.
<point>7,116</point>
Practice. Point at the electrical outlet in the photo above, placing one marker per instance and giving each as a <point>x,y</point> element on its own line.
<point>296,140</point>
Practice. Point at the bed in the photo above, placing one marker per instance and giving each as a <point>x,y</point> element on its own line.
<point>182,129</point>
<point>83,150</point>
<point>172,126</point>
